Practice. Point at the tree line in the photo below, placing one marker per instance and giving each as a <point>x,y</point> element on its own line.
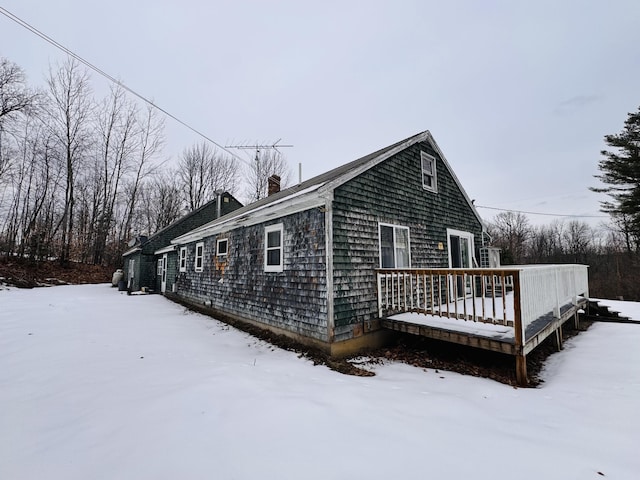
<point>613,263</point>
<point>80,175</point>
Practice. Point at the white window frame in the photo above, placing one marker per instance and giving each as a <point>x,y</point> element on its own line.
<point>395,245</point>
<point>226,251</point>
<point>426,159</point>
<point>159,267</point>
<point>183,259</point>
<point>273,228</point>
<point>199,257</point>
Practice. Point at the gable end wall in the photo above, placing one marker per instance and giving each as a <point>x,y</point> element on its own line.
<point>391,193</point>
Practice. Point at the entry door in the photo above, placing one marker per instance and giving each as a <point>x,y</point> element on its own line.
<point>460,256</point>
<point>163,282</point>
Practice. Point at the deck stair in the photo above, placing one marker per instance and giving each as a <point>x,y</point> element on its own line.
<point>603,313</point>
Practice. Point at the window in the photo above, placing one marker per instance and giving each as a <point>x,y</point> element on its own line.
<point>222,246</point>
<point>428,172</point>
<point>183,259</point>
<point>273,251</point>
<point>394,246</point>
<point>159,268</point>
<point>199,256</point>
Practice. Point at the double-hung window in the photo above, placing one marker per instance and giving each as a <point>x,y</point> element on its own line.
<point>273,248</point>
<point>159,268</point>
<point>429,179</point>
<point>199,257</point>
<point>395,250</point>
<point>183,259</point>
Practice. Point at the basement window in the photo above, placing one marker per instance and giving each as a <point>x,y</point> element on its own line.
<point>395,249</point>
<point>429,179</point>
<point>199,256</point>
<point>273,248</point>
<point>183,259</point>
<point>222,247</point>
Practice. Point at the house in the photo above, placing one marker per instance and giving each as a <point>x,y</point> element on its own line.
<point>150,263</point>
<point>303,262</point>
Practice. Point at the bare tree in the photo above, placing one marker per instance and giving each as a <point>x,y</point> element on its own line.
<point>578,237</point>
<point>34,181</point>
<point>150,142</point>
<point>203,171</point>
<point>70,117</point>
<point>511,231</point>
<point>118,130</point>
<point>162,200</point>
<point>266,164</point>
<point>15,96</point>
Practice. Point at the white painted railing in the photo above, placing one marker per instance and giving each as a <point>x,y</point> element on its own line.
<point>512,296</point>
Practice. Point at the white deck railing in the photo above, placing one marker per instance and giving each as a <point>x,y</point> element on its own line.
<point>512,296</point>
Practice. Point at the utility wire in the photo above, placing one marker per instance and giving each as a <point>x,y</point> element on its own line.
<point>540,213</point>
<point>59,46</point>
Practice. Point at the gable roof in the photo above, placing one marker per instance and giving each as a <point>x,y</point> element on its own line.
<point>313,192</point>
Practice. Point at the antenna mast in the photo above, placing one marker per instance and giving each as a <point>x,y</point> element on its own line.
<point>257,147</point>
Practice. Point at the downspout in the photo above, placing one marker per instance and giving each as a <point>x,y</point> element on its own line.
<point>328,234</point>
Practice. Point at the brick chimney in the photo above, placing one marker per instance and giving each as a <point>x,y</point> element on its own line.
<point>274,184</point>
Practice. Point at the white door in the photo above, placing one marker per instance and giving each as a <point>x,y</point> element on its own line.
<point>460,256</point>
<point>163,281</point>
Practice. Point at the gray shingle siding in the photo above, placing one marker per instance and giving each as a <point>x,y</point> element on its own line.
<point>294,299</point>
<point>391,192</point>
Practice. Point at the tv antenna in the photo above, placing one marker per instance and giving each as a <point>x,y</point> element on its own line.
<point>257,147</point>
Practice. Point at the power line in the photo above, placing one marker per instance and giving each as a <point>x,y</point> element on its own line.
<point>59,46</point>
<point>540,213</point>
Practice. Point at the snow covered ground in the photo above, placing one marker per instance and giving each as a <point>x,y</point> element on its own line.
<point>95,384</point>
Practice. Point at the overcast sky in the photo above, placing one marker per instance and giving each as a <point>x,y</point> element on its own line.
<point>517,94</point>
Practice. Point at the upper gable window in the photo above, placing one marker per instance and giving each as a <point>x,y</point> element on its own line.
<point>222,247</point>
<point>429,178</point>
<point>199,257</point>
<point>273,248</point>
<point>183,259</point>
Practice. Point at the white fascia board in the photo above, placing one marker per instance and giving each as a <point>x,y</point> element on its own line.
<point>167,249</point>
<point>455,177</point>
<point>298,202</point>
<point>330,186</point>
<point>132,250</point>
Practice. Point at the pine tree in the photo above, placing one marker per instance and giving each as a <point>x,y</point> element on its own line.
<point>620,169</point>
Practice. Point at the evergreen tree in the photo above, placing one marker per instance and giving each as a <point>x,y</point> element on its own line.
<point>620,169</point>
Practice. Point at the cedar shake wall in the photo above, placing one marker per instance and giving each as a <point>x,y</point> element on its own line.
<point>390,193</point>
<point>294,300</point>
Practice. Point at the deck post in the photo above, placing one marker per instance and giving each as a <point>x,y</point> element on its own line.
<point>518,332</point>
<point>379,295</point>
<point>521,370</point>
<point>559,337</point>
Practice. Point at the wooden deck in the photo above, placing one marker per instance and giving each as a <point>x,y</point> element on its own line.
<point>508,310</point>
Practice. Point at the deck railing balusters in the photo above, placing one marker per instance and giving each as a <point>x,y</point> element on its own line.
<point>503,282</point>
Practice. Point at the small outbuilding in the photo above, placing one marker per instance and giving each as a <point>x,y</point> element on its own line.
<point>151,262</point>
